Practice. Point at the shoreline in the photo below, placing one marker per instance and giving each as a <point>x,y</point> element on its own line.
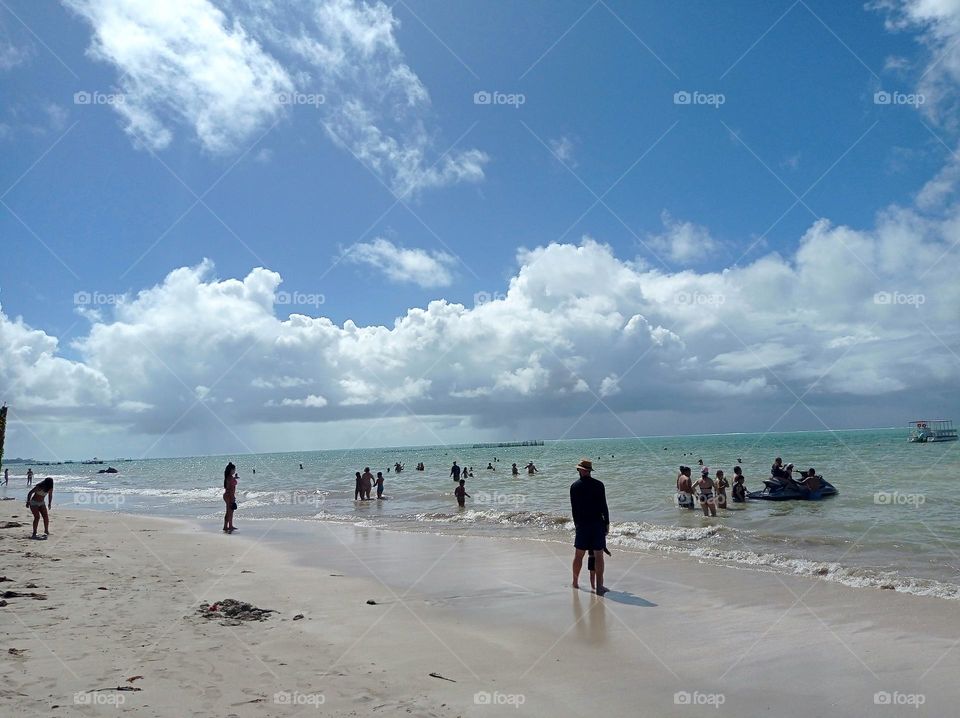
<point>682,539</point>
<point>496,616</point>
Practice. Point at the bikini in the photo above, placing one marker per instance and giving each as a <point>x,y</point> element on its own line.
<point>36,502</point>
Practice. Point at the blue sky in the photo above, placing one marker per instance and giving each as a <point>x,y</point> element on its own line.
<point>599,148</point>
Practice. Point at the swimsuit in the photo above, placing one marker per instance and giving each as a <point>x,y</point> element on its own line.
<point>38,502</point>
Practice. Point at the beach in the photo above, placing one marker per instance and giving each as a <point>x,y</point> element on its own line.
<point>492,618</point>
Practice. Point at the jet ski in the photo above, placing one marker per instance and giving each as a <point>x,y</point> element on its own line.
<point>782,489</point>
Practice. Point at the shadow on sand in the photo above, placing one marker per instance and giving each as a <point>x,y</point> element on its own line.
<point>627,598</point>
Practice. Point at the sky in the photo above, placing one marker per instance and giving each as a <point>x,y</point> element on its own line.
<point>241,226</point>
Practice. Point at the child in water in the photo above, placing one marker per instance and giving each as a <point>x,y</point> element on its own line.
<point>379,483</point>
<point>739,490</point>
<point>722,486</point>
<point>460,492</point>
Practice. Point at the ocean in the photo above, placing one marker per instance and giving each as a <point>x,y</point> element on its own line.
<point>893,525</point>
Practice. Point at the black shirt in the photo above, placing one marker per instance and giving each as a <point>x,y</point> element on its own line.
<point>455,471</point>
<point>588,500</point>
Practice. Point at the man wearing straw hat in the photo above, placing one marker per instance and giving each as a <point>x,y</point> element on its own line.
<point>588,501</point>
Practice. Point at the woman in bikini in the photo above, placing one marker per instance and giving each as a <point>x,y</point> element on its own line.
<point>35,497</point>
<point>707,501</point>
<point>229,496</point>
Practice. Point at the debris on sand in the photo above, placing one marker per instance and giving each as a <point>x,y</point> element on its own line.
<point>234,612</point>
<point>18,594</point>
<point>371,602</point>
<point>10,525</point>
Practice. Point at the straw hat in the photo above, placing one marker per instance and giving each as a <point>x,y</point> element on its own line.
<point>586,465</point>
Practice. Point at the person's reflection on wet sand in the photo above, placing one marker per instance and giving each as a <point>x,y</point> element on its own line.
<point>590,621</point>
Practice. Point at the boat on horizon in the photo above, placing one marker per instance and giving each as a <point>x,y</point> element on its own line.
<point>927,431</point>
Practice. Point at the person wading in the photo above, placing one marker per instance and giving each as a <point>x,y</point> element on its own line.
<point>588,502</point>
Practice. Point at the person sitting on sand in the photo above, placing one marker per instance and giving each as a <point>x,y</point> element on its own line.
<point>591,518</point>
<point>739,490</point>
<point>229,496</point>
<point>357,492</point>
<point>705,485</point>
<point>460,492</point>
<point>685,489</point>
<point>379,483</point>
<point>531,469</point>
<point>366,483</point>
<point>35,497</point>
<point>722,486</point>
<point>514,470</point>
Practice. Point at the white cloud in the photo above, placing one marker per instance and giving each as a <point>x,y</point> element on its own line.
<point>11,56</point>
<point>575,323</point>
<point>426,269</point>
<point>184,62</point>
<point>683,242</point>
<point>563,148</point>
<point>937,23</point>
<point>228,70</point>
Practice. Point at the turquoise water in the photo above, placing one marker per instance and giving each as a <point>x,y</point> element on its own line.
<point>906,538</point>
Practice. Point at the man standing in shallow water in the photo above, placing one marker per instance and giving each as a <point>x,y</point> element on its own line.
<point>588,501</point>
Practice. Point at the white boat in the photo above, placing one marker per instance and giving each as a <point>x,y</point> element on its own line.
<point>926,431</point>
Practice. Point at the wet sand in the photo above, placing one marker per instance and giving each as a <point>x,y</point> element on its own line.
<point>494,616</point>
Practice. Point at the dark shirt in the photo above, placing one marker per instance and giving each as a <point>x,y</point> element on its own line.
<point>455,471</point>
<point>588,500</point>
<point>778,472</point>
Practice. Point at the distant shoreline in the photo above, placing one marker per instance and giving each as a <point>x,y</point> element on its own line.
<point>461,445</point>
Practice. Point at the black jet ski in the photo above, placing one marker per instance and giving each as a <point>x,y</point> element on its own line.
<point>782,489</point>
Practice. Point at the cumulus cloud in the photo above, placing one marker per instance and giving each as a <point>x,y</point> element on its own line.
<point>227,70</point>
<point>853,315</point>
<point>418,266</point>
<point>683,242</point>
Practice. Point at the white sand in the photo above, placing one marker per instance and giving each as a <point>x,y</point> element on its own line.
<point>494,615</point>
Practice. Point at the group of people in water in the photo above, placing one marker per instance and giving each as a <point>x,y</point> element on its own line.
<point>711,491</point>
